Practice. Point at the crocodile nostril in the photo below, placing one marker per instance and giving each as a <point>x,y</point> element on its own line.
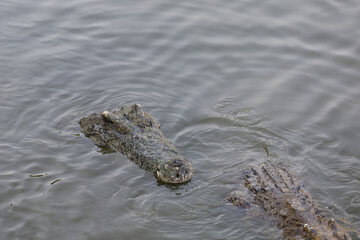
<point>177,163</point>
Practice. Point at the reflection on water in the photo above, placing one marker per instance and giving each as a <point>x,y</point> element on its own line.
<point>231,83</point>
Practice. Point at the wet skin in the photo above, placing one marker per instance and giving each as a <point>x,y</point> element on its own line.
<point>278,193</point>
<point>137,135</point>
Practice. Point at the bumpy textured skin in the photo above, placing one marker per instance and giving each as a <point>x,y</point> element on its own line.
<point>137,135</point>
<point>280,195</point>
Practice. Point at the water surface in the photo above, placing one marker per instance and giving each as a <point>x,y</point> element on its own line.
<point>222,77</point>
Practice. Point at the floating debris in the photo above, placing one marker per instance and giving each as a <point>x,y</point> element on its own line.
<point>55,181</point>
<point>38,175</point>
<point>265,148</point>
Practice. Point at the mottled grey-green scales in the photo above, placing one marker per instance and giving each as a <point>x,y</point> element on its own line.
<point>278,193</point>
<point>137,135</point>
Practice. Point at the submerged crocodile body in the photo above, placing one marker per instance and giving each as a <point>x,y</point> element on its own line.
<point>280,195</point>
<point>137,135</point>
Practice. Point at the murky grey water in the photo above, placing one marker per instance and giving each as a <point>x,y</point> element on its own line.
<point>222,77</point>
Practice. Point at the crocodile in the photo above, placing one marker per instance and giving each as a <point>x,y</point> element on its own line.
<point>137,135</point>
<point>276,191</point>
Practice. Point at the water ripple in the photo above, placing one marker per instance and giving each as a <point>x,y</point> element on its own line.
<point>223,79</point>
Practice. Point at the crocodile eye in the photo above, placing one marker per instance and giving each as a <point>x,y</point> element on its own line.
<point>177,163</point>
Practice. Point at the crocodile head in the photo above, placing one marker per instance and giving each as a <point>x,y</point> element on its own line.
<point>177,170</point>
<point>137,135</point>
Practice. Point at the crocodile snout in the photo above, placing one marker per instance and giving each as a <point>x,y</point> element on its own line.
<point>175,171</point>
<point>176,163</point>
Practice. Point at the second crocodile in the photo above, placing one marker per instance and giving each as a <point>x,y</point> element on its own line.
<point>277,192</point>
<point>137,135</point>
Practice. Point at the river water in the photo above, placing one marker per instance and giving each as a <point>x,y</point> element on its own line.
<point>224,79</point>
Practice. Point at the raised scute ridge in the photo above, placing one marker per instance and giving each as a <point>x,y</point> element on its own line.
<point>278,193</point>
